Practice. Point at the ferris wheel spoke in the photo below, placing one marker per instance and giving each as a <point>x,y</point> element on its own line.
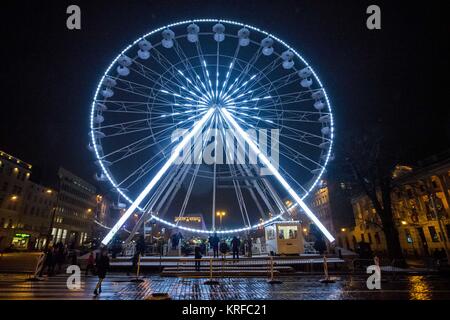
<point>256,78</point>
<point>264,73</point>
<point>122,149</point>
<point>260,106</point>
<point>167,86</point>
<point>193,79</point>
<point>302,139</point>
<point>278,84</point>
<point>293,181</point>
<point>286,98</point>
<point>120,125</point>
<point>164,88</point>
<point>208,86</point>
<point>124,132</point>
<point>216,92</point>
<point>230,69</point>
<point>146,73</point>
<point>296,156</point>
<point>274,117</point>
<point>135,150</point>
<point>167,65</point>
<point>245,71</point>
<point>192,96</point>
<point>303,133</point>
<point>147,166</point>
<point>145,169</point>
<point>299,135</point>
<point>240,88</point>
<point>146,96</point>
<point>175,72</point>
<point>132,85</point>
<point>155,111</point>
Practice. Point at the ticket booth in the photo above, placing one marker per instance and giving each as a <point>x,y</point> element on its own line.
<point>284,237</point>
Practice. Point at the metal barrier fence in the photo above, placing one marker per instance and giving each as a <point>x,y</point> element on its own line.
<point>267,266</point>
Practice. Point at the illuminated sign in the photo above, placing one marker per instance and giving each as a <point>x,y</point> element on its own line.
<point>21,235</point>
<point>188,219</point>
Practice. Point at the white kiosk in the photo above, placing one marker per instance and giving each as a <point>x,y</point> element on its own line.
<point>284,237</point>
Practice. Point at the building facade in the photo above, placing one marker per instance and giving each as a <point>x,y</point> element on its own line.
<point>75,210</point>
<point>330,202</point>
<point>25,206</point>
<point>420,204</point>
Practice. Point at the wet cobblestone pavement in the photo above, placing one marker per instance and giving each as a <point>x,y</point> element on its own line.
<point>305,287</point>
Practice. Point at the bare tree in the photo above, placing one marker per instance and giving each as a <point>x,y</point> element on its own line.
<point>372,162</point>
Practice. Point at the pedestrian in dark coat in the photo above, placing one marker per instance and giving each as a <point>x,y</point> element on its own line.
<point>235,245</point>
<point>102,269</point>
<point>90,263</point>
<point>223,249</point>
<point>50,261</point>
<point>214,243</point>
<point>198,256</point>
<point>59,256</point>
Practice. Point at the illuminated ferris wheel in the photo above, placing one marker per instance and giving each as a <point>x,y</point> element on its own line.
<point>211,112</point>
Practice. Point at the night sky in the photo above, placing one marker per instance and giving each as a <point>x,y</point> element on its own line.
<point>49,73</point>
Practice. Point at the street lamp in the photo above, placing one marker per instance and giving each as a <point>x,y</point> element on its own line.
<point>220,214</point>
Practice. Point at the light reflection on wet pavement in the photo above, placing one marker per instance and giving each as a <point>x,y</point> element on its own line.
<point>306,287</point>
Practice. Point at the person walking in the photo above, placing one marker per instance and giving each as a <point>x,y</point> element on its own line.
<point>102,269</point>
<point>134,263</point>
<point>59,256</point>
<point>73,257</point>
<point>214,242</point>
<point>198,257</point>
<point>235,246</point>
<point>90,263</point>
<point>249,246</point>
<point>223,249</point>
<point>50,261</point>
<point>140,246</point>
<point>203,247</point>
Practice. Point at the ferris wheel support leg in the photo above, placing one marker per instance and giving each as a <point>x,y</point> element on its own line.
<point>196,128</point>
<point>260,191</point>
<point>144,217</point>
<point>275,196</point>
<point>239,132</point>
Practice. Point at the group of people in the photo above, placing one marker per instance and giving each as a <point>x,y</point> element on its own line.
<point>57,256</point>
<point>221,246</point>
<point>98,265</point>
<point>236,246</point>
